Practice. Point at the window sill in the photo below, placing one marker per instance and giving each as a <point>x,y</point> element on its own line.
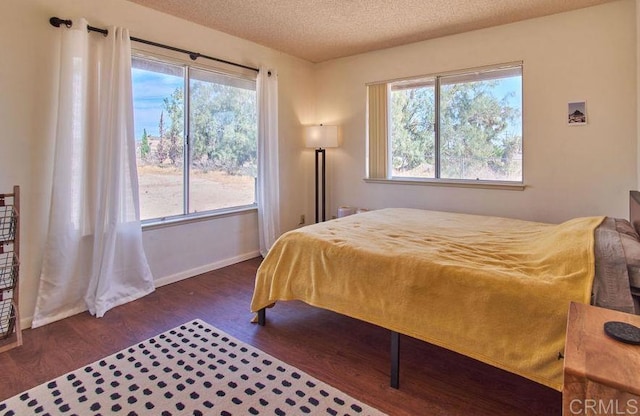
<point>460,183</point>
<point>196,217</point>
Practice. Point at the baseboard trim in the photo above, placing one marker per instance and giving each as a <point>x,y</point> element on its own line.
<point>163,281</point>
<point>25,323</point>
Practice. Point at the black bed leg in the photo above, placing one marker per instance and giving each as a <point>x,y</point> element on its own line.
<point>395,359</point>
<point>262,316</point>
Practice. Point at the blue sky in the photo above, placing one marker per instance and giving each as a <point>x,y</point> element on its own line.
<point>505,85</point>
<point>149,90</point>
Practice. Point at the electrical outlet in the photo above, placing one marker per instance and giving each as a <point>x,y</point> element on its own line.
<point>302,221</point>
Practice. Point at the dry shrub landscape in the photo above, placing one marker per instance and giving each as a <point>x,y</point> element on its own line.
<point>161,190</point>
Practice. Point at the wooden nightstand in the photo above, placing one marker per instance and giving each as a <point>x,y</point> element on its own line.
<point>601,375</point>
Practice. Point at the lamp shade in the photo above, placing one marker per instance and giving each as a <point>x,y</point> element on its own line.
<point>321,136</point>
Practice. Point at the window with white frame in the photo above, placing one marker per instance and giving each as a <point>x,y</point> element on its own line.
<point>196,136</point>
<point>461,126</point>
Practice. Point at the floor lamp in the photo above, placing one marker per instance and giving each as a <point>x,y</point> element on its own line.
<point>320,137</point>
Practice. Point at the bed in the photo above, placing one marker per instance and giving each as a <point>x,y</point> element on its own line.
<point>494,289</point>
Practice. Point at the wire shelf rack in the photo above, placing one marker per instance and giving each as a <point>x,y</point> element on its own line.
<point>8,270</point>
<point>10,333</point>
<point>8,220</point>
<point>8,322</point>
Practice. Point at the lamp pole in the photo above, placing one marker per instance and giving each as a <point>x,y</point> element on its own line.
<point>320,137</point>
<point>321,174</point>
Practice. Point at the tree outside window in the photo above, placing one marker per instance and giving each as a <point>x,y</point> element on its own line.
<point>465,126</point>
<point>216,168</point>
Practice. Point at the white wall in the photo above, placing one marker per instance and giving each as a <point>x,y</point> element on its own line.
<point>589,54</point>
<point>28,45</point>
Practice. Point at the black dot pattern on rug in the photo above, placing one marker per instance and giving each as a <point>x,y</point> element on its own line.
<point>194,369</point>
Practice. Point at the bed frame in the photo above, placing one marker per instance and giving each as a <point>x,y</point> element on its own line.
<point>634,218</point>
<point>395,350</point>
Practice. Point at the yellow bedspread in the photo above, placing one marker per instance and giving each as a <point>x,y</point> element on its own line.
<point>494,289</point>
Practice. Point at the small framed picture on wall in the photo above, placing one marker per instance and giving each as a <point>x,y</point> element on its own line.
<point>577,113</point>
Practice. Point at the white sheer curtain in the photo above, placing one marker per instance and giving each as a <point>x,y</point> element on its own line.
<point>93,257</point>
<point>268,177</point>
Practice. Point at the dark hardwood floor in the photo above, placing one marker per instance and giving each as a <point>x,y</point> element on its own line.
<point>352,356</point>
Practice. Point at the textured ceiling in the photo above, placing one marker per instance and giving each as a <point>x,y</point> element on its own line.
<point>319,30</point>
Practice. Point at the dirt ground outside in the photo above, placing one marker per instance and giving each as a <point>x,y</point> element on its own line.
<point>161,190</point>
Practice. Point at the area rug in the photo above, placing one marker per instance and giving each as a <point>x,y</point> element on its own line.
<point>194,369</point>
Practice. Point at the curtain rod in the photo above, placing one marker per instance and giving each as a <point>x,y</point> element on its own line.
<point>55,21</point>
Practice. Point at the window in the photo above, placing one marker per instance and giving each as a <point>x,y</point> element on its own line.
<point>463,126</point>
<point>215,168</point>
